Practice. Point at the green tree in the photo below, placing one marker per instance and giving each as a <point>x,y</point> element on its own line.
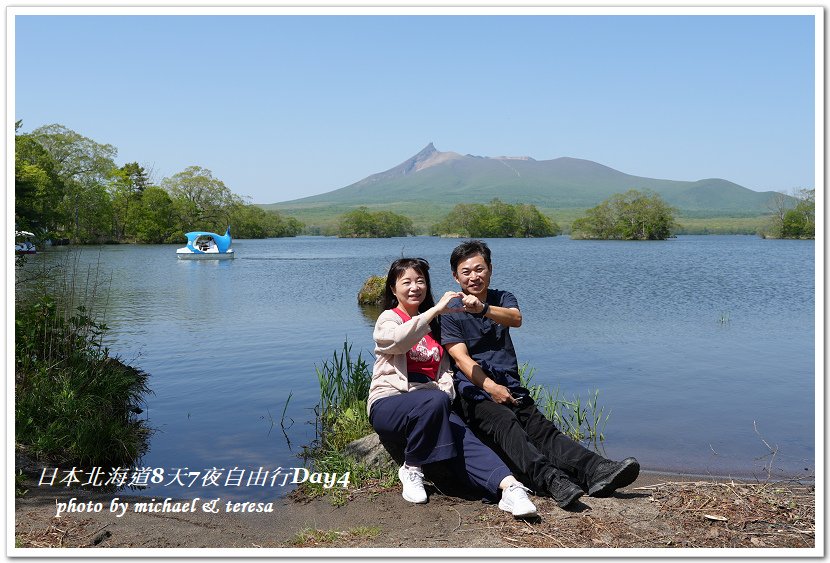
<point>363,223</point>
<point>94,215</point>
<point>250,221</point>
<point>85,167</point>
<point>633,215</point>
<point>598,223</point>
<point>152,217</point>
<point>497,220</point>
<point>201,201</point>
<point>68,185</point>
<point>794,221</point>
<point>461,221</point>
<point>125,188</point>
<point>502,219</point>
<point>38,190</point>
<point>531,223</point>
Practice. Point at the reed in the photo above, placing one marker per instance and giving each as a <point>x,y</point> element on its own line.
<point>344,388</point>
<point>341,418</point>
<point>74,402</point>
<point>584,421</point>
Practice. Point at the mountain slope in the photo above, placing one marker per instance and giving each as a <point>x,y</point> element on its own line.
<point>433,177</point>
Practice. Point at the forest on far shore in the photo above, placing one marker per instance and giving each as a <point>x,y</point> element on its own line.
<point>68,188</point>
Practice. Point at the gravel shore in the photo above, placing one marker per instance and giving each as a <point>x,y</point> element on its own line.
<point>657,511</point>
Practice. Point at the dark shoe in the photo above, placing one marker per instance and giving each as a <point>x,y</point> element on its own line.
<point>564,492</point>
<point>612,475</point>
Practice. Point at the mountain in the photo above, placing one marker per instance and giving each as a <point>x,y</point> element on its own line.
<point>436,177</point>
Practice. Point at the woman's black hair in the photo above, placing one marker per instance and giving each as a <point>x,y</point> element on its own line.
<point>396,270</point>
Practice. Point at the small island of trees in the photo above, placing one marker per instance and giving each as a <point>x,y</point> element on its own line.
<point>793,222</point>
<point>496,219</point>
<point>362,223</point>
<point>633,215</point>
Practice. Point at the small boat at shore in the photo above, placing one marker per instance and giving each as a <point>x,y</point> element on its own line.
<point>25,246</point>
<point>202,245</point>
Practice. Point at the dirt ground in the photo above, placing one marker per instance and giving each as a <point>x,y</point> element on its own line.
<point>657,511</point>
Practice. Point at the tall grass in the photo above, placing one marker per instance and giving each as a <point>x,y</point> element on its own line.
<point>582,420</point>
<point>74,402</point>
<point>342,418</point>
<point>344,388</point>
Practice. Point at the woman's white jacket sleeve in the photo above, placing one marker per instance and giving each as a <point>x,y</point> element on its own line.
<point>395,337</point>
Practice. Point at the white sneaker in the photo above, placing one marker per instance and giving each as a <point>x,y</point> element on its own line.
<point>413,484</point>
<point>514,500</point>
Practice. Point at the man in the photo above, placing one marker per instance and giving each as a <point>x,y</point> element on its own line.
<point>495,405</point>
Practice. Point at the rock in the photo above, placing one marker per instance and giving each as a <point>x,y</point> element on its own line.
<point>372,291</point>
<point>101,537</point>
<point>371,452</point>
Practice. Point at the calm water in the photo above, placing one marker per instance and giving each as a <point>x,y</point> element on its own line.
<point>701,347</point>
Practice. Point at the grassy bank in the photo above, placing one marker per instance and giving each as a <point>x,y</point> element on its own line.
<point>341,418</point>
<point>74,402</point>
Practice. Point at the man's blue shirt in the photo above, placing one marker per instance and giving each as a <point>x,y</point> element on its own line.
<point>488,343</point>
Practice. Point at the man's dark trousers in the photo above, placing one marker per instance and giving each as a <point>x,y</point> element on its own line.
<point>530,444</point>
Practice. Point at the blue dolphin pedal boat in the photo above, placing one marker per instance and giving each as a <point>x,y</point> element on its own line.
<point>202,245</point>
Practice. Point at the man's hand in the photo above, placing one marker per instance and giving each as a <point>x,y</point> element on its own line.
<point>473,371</point>
<point>499,393</point>
<point>471,303</point>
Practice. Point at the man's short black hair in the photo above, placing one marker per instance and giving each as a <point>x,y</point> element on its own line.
<point>468,249</point>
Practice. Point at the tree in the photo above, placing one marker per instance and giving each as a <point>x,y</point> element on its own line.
<point>152,219</point>
<point>125,188</point>
<point>68,185</point>
<point>201,201</point>
<point>598,223</point>
<point>38,190</point>
<point>800,222</point>
<point>531,223</point>
<point>497,220</point>
<point>94,215</point>
<point>250,221</point>
<point>633,215</point>
<point>363,223</point>
<point>84,167</point>
<point>461,221</point>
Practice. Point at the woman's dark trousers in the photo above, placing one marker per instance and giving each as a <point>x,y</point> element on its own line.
<point>429,431</point>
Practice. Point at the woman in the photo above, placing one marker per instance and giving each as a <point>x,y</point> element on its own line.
<point>411,391</point>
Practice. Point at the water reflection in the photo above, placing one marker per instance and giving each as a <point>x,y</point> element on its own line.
<point>370,313</point>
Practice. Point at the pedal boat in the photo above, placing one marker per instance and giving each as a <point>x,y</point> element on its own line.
<point>202,245</point>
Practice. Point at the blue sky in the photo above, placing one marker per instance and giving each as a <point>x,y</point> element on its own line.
<point>282,107</point>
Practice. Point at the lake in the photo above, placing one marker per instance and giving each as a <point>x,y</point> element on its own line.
<point>702,347</point>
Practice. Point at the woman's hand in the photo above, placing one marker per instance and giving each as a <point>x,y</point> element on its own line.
<point>443,304</point>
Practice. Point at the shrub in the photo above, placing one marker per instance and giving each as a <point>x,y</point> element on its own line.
<point>73,402</point>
